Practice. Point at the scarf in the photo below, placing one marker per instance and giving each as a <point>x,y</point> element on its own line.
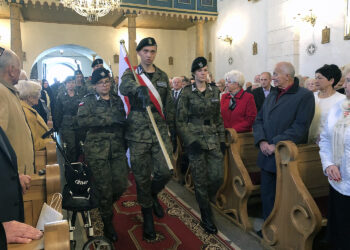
<point>233,103</point>
<point>339,132</point>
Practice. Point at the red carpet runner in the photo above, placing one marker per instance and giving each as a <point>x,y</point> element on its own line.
<point>179,229</point>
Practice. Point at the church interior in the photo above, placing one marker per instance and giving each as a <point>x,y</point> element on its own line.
<point>53,40</point>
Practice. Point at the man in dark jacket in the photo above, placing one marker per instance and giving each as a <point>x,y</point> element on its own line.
<point>11,209</point>
<point>285,115</point>
<point>262,92</point>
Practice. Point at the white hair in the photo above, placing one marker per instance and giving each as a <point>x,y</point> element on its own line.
<point>345,69</point>
<point>235,76</point>
<point>28,88</point>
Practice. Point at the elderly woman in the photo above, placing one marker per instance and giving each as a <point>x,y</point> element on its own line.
<point>238,108</point>
<point>335,157</point>
<point>29,93</point>
<point>310,84</point>
<point>202,131</point>
<point>325,98</point>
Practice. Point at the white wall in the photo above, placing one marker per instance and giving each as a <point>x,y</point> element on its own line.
<point>246,22</point>
<point>38,37</point>
<point>331,14</point>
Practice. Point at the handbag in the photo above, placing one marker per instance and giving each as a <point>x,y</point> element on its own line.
<point>49,213</point>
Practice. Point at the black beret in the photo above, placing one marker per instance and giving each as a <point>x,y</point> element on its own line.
<point>78,72</point>
<point>148,41</point>
<point>69,79</point>
<point>99,74</point>
<point>96,61</point>
<point>330,71</point>
<point>198,63</point>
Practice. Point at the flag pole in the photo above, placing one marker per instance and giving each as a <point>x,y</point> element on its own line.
<point>151,117</point>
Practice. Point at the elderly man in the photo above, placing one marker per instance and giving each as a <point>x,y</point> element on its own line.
<point>12,119</point>
<point>12,230</point>
<point>262,92</point>
<point>177,87</point>
<point>285,115</point>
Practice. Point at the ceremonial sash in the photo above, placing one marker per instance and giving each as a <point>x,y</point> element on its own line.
<point>153,93</point>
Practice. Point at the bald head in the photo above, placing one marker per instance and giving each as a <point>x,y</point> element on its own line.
<point>9,66</point>
<point>283,75</point>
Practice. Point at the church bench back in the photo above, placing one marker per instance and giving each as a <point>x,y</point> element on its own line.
<point>296,218</point>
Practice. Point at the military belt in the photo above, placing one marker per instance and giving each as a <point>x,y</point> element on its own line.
<point>197,121</point>
<point>107,129</point>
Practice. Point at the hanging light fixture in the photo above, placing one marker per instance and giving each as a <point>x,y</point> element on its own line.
<point>92,9</point>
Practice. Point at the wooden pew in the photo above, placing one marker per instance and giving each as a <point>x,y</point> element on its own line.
<point>241,178</point>
<point>56,237</point>
<point>45,157</point>
<point>41,190</point>
<point>301,197</point>
<point>177,156</point>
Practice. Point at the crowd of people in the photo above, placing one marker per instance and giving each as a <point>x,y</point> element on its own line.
<point>91,119</point>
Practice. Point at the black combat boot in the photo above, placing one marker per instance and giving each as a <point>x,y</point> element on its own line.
<point>157,208</point>
<point>148,224</point>
<point>108,230</point>
<point>207,222</point>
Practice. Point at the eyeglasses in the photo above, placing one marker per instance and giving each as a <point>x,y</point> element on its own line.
<point>1,51</point>
<point>106,82</point>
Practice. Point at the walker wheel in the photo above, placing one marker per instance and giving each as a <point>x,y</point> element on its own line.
<point>98,243</point>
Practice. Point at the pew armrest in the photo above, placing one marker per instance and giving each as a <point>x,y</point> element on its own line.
<point>53,182</point>
<point>56,237</point>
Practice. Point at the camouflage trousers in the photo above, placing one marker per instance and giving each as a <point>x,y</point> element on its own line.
<point>110,179</point>
<point>207,170</point>
<point>71,139</point>
<point>147,160</point>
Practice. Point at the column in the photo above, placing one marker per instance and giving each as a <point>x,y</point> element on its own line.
<point>199,38</point>
<point>132,38</point>
<point>16,40</point>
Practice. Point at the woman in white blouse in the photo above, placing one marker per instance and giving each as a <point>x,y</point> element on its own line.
<point>335,156</point>
<point>326,97</point>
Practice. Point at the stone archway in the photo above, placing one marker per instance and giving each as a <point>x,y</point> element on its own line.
<point>76,52</point>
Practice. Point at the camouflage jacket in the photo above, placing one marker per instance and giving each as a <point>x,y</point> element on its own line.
<point>139,127</point>
<point>66,110</point>
<point>198,117</point>
<point>98,115</point>
<point>104,122</point>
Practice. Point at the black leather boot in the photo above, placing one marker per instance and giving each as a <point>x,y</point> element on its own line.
<point>157,208</point>
<point>148,224</point>
<point>108,230</point>
<point>207,222</point>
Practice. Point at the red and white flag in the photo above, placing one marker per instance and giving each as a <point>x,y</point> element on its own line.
<point>124,64</point>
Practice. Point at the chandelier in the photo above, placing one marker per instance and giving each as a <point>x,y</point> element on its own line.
<point>92,9</point>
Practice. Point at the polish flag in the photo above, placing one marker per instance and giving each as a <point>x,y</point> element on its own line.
<point>124,64</point>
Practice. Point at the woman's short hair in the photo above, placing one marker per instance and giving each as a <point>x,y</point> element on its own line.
<point>330,71</point>
<point>28,88</point>
<point>235,76</point>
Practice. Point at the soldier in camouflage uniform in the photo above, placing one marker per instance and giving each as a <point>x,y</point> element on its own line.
<point>65,118</point>
<point>145,153</point>
<point>200,125</point>
<point>103,116</point>
<point>96,64</point>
